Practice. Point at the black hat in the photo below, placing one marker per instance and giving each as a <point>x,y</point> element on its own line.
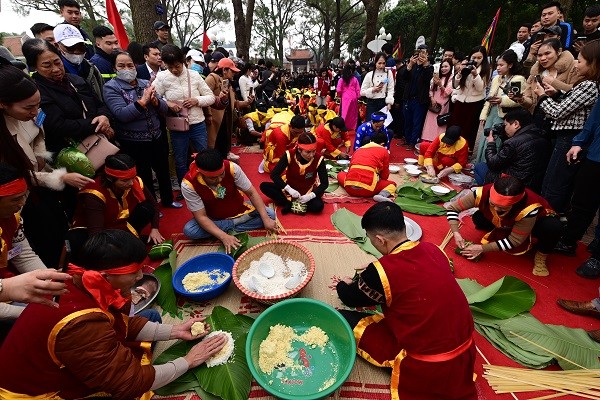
<point>158,25</point>
<point>216,56</point>
<point>452,135</point>
<point>552,30</point>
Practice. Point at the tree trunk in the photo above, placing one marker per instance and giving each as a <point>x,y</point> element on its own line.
<point>372,11</point>
<point>437,17</point>
<point>143,15</point>
<point>326,40</point>
<point>242,23</point>
<point>337,33</point>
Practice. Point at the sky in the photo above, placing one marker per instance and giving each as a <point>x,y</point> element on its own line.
<point>10,21</point>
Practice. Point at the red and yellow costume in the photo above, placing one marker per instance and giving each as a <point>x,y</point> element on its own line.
<point>442,155</point>
<point>8,228</point>
<point>504,234</point>
<point>224,203</point>
<point>302,177</point>
<point>86,346</point>
<point>331,141</point>
<point>116,213</point>
<point>324,115</point>
<point>368,173</point>
<point>425,333</point>
<point>277,140</point>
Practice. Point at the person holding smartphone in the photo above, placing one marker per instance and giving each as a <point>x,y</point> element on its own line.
<point>591,20</point>
<point>378,86</point>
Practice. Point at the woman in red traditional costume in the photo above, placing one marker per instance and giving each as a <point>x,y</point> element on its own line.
<point>511,214</point>
<point>331,136</point>
<point>295,177</point>
<point>425,333</point>
<point>117,199</point>
<point>90,344</point>
<point>447,154</point>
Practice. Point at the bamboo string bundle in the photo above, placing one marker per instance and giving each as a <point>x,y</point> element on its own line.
<point>448,238</point>
<point>584,383</point>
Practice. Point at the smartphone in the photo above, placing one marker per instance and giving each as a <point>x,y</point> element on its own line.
<point>385,80</point>
<point>65,257</point>
<point>225,84</point>
<point>539,37</point>
<point>515,88</point>
<point>538,78</point>
<point>416,53</point>
<point>581,39</point>
<point>251,92</point>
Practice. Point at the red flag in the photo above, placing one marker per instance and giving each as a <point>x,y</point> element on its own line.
<point>115,20</point>
<point>205,42</point>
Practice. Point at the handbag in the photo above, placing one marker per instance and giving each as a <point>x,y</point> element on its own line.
<point>443,119</point>
<point>180,122</point>
<point>435,108</point>
<point>96,148</point>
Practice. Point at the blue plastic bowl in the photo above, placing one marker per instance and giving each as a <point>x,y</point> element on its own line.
<point>204,262</point>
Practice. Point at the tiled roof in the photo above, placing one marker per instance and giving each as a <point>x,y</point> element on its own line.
<point>299,54</point>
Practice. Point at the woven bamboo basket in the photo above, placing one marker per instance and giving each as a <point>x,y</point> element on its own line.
<point>285,250</point>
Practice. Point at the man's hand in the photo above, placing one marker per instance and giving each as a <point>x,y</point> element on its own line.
<point>155,237</point>
<point>572,154</point>
<point>473,251</point>
<point>205,349</point>
<point>445,172</point>
<point>230,243</point>
<point>103,123</point>
<point>490,137</point>
<point>270,225</point>
<point>35,287</point>
<point>255,133</point>
<point>430,170</point>
<point>578,45</point>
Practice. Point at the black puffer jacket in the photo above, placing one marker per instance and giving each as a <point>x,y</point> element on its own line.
<point>524,156</point>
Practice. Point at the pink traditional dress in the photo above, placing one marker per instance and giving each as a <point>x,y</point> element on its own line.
<point>431,130</point>
<point>349,95</point>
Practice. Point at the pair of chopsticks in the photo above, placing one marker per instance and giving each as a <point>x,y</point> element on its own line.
<point>277,222</point>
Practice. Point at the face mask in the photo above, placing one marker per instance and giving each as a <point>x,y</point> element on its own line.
<point>196,67</point>
<point>127,75</point>
<point>74,58</point>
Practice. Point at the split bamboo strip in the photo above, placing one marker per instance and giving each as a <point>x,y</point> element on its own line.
<point>448,237</point>
<point>545,349</point>
<point>488,363</point>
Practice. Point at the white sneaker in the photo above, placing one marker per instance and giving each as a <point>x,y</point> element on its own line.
<point>233,157</point>
<point>261,167</point>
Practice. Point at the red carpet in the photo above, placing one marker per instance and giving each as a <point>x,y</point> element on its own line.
<point>562,282</point>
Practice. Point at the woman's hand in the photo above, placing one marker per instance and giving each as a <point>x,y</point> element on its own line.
<point>572,154</point>
<point>378,88</point>
<point>430,170</point>
<point>205,349</point>
<point>539,89</point>
<point>191,102</point>
<point>458,239</point>
<point>445,172</point>
<point>550,90</point>
<point>548,79</point>
<point>174,106</point>
<point>147,96</point>
<point>494,100</point>
<point>155,236</point>
<point>103,123</point>
<point>184,331</point>
<point>474,72</point>
<point>35,286</point>
<point>473,251</point>
<point>76,180</point>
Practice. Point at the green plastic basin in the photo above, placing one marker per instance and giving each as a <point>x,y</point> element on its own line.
<point>319,373</point>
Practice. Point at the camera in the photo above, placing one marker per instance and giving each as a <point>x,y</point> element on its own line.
<point>470,65</point>
<point>497,131</point>
<point>513,87</point>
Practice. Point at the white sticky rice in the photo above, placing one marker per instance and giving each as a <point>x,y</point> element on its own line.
<point>225,353</point>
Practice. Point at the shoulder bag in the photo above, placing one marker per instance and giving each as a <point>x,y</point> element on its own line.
<point>180,122</point>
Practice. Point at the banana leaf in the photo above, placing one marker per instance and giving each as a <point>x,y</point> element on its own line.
<point>504,298</point>
<point>469,286</point>
<point>419,206</point>
<point>228,381</point>
<point>246,241</point>
<point>348,223</point>
<point>333,186</point>
<point>166,295</point>
<point>575,349</point>
<point>231,380</point>
<point>422,191</point>
<point>410,192</point>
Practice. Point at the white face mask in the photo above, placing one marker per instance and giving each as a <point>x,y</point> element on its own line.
<point>74,58</point>
<point>127,75</point>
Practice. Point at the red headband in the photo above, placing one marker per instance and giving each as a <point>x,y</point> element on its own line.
<point>101,290</point>
<point>504,201</point>
<point>195,170</point>
<point>121,174</point>
<point>307,147</point>
<point>13,187</point>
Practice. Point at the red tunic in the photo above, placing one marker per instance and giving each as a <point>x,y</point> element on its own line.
<point>369,172</point>
<point>441,155</point>
<point>504,225</point>
<point>277,142</point>
<point>330,140</point>
<point>426,315</point>
<point>217,207</point>
<point>36,369</point>
<point>302,177</point>
<point>116,214</point>
<point>8,229</point>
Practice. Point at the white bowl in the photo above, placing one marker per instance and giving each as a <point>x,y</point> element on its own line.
<point>410,166</point>
<point>343,162</point>
<point>440,190</point>
<point>411,160</point>
<point>413,172</point>
<point>394,169</point>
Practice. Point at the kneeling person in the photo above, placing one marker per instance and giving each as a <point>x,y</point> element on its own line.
<point>296,175</point>
<point>213,189</point>
<point>447,154</point>
<point>420,299</point>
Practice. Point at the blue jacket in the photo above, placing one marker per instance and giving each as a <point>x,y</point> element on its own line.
<point>102,62</point>
<point>133,122</point>
<point>589,137</point>
<point>364,133</point>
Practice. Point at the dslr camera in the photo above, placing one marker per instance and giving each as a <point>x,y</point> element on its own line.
<point>470,65</point>
<point>497,131</point>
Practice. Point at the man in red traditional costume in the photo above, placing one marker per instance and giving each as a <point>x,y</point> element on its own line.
<point>331,136</point>
<point>279,138</point>
<point>447,154</point>
<point>117,199</point>
<point>90,344</point>
<point>16,255</point>
<point>425,333</point>
<point>511,214</point>
<point>214,192</point>
<point>295,177</point>
<point>369,171</point>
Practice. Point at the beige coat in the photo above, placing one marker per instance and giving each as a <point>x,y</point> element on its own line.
<point>215,82</point>
<point>566,67</point>
<point>496,90</point>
